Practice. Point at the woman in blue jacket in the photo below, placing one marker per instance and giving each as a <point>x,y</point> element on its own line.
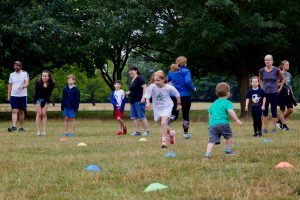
<point>180,78</point>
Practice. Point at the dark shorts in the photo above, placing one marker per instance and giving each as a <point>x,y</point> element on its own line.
<point>216,131</point>
<point>70,113</point>
<point>18,103</point>
<point>41,102</point>
<point>118,113</point>
<point>285,101</point>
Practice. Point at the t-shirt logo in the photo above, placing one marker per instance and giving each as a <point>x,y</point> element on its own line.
<point>255,98</point>
<point>160,99</point>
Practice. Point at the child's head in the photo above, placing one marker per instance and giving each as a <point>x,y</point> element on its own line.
<point>159,78</point>
<point>46,77</point>
<point>181,61</point>
<point>174,67</point>
<point>222,89</point>
<point>284,65</point>
<point>117,85</point>
<point>254,81</point>
<point>71,79</point>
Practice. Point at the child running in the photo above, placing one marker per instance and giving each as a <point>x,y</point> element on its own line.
<point>160,91</point>
<point>258,100</point>
<point>117,98</point>
<point>218,123</point>
<point>70,104</point>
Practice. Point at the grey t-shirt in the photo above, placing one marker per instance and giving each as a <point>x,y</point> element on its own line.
<point>270,79</point>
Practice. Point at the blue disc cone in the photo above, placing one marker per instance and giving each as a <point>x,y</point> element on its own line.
<point>170,154</point>
<point>93,168</point>
<point>266,140</point>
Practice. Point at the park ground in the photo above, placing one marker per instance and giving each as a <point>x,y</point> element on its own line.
<point>34,167</point>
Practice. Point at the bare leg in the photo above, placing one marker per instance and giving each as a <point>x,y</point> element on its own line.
<point>274,120</point>
<point>209,148</point>
<point>73,125</point>
<point>288,112</point>
<point>38,117</point>
<point>281,116</point>
<point>14,117</point>
<point>145,124</point>
<point>66,124</point>
<point>136,125</point>
<point>265,122</point>
<point>44,117</point>
<point>21,118</point>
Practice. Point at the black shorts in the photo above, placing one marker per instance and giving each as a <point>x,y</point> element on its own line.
<point>285,101</point>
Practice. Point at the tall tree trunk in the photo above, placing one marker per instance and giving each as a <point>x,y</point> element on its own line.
<point>243,85</point>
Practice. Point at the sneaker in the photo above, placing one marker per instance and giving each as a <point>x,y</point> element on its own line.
<point>207,156</point>
<point>12,129</point>
<point>259,134</point>
<point>274,130</point>
<point>164,146</point>
<point>172,137</point>
<point>146,133</point>
<point>71,134</point>
<point>265,131</point>
<point>66,134</point>
<point>279,124</point>
<point>44,133</point>
<point>21,129</point>
<point>136,133</point>
<point>187,136</point>
<point>124,130</point>
<point>230,153</point>
<point>255,134</point>
<point>38,133</point>
<point>119,133</point>
<point>285,127</point>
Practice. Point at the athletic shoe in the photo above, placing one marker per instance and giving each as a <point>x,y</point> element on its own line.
<point>259,134</point>
<point>274,130</point>
<point>66,134</point>
<point>38,133</point>
<point>21,129</point>
<point>44,133</point>
<point>124,130</point>
<point>207,156</point>
<point>172,137</point>
<point>285,127</point>
<point>187,136</point>
<point>279,124</point>
<point>146,133</point>
<point>12,129</point>
<point>255,134</point>
<point>230,153</point>
<point>136,133</point>
<point>265,131</point>
<point>119,132</point>
<point>163,146</point>
<point>71,134</point>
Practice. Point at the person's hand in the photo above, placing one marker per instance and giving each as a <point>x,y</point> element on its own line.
<point>8,98</point>
<point>246,108</point>
<point>263,107</point>
<point>239,122</point>
<point>143,100</point>
<point>179,107</point>
<point>148,106</point>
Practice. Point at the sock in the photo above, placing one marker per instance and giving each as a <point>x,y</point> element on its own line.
<point>207,154</point>
<point>163,140</point>
<point>228,149</point>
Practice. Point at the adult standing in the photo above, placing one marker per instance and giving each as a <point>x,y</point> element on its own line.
<point>269,76</point>
<point>286,96</point>
<point>180,77</point>
<point>43,90</point>
<point>137,89</point>
<point>17,95</point>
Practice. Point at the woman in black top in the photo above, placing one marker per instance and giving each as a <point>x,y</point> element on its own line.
<point>43,90</point>
<point>137,89</point>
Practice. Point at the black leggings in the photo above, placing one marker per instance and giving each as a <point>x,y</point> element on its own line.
<point>271,98</point>
<point>186,106</point>
<point>256,115</point>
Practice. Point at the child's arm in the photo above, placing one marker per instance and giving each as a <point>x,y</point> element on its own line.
<point>247,103</point>
<point>263,103</point>
<point>234,117</point>
<point>148,104</point>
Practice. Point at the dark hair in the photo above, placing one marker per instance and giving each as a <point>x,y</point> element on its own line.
<point>135,69</point>
<point>50,81</point>
<point>222,89</point>
<point>118,81</point>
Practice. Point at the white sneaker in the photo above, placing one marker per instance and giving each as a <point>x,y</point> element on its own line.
<point>187,136</point>
<point>44,133</point>
<point>38,133</point>
<point>146,133</point>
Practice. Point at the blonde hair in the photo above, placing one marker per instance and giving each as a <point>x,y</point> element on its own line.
<point>282,64</point>
<point>269,56</point>
<point>72,76</point>
<point>222,89</point>
<point>161,75</point>
<point>174,67</point>
<point>181,61</point>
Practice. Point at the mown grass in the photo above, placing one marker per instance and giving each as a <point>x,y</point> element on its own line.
<point>34,167</point>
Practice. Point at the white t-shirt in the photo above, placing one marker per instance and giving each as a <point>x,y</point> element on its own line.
<point>119,96</point>
<point>161,101</point>
<point>18,79</point>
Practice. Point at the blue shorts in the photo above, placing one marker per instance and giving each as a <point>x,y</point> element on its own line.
<point>69,113</point>
<point>216,131</point>
<point>18,103</point>
<point>41,102</point>
<point>137,111</point>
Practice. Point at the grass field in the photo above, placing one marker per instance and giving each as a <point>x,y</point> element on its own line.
<point>34,167</point>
